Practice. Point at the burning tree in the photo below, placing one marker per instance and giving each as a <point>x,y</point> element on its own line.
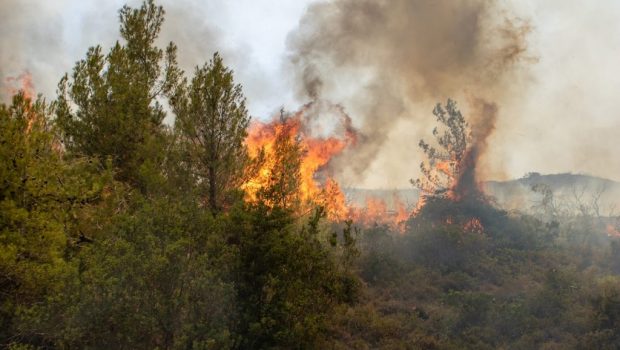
<point>283,164</point>
<point>289,160</point>
<point>449,188</point>
<point>440,172</point>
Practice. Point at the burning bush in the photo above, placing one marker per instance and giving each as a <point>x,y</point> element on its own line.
<point>450,192</point>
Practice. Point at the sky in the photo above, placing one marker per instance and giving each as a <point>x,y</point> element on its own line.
<point>558,115</point>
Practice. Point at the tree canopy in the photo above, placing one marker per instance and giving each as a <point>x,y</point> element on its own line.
<point>110,105</point>
<point>212,120</point>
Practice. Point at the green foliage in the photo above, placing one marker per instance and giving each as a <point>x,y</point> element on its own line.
<point>287,284</point>
<point>158,277</point>
<point>110,106</point>
<point>41,196</point>
<point>212,120</point>
<point>282,187</point>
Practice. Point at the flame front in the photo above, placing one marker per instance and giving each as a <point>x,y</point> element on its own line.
<point>316,185</point>
<point>316,155</point>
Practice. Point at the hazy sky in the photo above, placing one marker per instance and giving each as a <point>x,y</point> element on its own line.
<point>561,115</point>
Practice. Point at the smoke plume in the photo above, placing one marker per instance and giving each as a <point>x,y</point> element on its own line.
<point>389,62</point>
<point>482,126</point>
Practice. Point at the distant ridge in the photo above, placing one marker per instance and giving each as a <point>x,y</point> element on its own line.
<point>517,194</point>
<point>560,180</point>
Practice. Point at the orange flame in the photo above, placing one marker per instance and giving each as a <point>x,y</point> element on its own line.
<point>316,185</point>
<point>402,214</point>
<point>445,167</point>
<point>22,82</point>
<point>377,212</point>
<point>317,153</point>
<point>473,225</point>
<point>419,205</point>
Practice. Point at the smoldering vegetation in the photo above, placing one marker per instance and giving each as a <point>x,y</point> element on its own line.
<point>503,281</point>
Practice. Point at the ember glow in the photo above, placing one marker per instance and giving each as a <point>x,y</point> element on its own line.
<point>613,231</point>
<point>474,226</point>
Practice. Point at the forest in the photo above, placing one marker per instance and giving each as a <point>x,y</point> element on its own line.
<point>119,230</point>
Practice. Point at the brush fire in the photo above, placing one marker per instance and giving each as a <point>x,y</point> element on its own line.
<point>153,197</point>
<point>449,174</point>
<point>317,185</point>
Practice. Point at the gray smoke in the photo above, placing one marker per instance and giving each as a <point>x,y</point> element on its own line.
<point>388,62</point>
<point>26,30</point>
<point>46,38</point>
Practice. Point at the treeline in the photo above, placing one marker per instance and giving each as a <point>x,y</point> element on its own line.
<point>121,232</point>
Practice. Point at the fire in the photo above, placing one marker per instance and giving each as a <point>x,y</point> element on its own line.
<point>445,167</point>
<point>316,185</point>
<point>334,200</point>
<point>419,205</point>
<point>402,214</point>
<point>612,231</point>
<point>317,152</point>
<point>22,82</point>
<point>377,212</point>
<point>473,225</point>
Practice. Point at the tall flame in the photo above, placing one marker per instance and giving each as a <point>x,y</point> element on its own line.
<point>317,186</point>
<point>318,151</point>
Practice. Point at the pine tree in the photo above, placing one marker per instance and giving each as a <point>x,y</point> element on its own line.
<point>212,120</point>
<point>442,166</point>
<point>41,197</point>
<point>110,107</point>
<point>282,187</point>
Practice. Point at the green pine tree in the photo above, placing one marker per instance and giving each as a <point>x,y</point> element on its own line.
<point>212,120</point>
<point>42,197</point>
<point>110,107</point>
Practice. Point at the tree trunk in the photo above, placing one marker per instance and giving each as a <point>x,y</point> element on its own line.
<point>212,190</point>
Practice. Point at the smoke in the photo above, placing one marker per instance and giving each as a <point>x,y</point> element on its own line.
<point>389,62</point>
<point>386,62</point>
<point>482,126</point>
<point>22,35</point>
<point>46,38</point>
